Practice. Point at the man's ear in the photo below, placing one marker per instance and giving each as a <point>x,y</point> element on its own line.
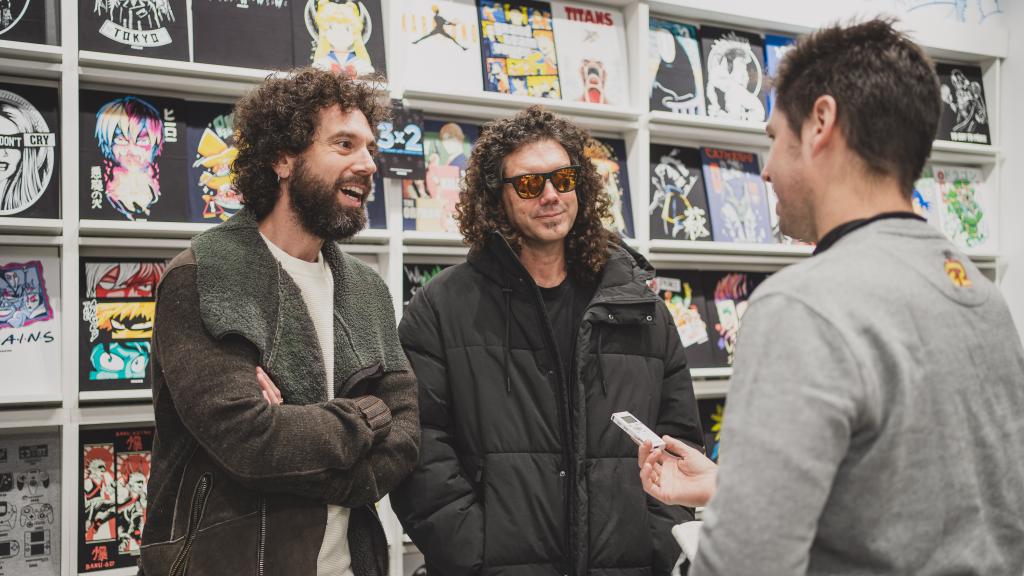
<point>284,165</point>
<point>822,128</point>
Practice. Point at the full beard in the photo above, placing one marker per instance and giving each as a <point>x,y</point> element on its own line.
<point>316,205</point>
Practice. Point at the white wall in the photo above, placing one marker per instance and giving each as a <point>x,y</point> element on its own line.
<point>1012,134</point>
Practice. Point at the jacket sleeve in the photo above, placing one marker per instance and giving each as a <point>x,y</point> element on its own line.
<point>309,451</point>
<point>392,459</point>
<point>677,417</point>
<point>437,504</point>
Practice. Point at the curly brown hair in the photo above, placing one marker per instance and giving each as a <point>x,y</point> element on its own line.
<point>280,117</point>
<point>481,211</point>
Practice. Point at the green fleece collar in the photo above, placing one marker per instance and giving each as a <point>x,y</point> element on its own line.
<point>243,290</point>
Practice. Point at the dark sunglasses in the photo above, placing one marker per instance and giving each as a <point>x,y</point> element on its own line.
<point>529,186</point>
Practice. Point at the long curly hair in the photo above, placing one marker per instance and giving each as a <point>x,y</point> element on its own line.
<point>280,117</point>
<point>481,210</point>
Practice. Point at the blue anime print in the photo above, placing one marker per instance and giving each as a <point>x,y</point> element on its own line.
<point>119,360</point>
<point>23,297</point>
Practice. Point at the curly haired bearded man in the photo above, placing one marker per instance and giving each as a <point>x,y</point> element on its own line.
<point>522,354</point>
<point>284,404</point>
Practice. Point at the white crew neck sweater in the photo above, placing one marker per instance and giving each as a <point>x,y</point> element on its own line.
<point>316,283</point>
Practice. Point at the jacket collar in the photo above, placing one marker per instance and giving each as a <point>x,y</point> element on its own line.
<point>623,280</point>
<point>243,290</point>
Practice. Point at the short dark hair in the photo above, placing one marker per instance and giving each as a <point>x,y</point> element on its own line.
<point>886,92</point>
<point>481,210</point>
<point>280,117</point>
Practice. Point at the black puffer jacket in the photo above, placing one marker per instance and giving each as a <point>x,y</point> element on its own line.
<point>517,475</point>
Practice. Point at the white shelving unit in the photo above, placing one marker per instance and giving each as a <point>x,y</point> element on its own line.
<point>392,247</point>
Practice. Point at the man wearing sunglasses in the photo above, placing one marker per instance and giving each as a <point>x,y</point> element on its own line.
<point>522,354</point>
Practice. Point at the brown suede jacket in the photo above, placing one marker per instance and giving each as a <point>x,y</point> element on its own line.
<point>239,486</point>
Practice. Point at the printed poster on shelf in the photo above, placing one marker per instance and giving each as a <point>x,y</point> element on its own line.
<point>679,204</point>
<point>376,204</point>
<point>246,33</point>
<point>416,276</point>
<point>518,48</point>
<point>440,43</point>
<point>591,43</point>
<point>712,416</point>
<point>775,48</point>
<point>727,298</point>
<point>734,74</point>
<point>609,158</point>
<point>115,468</point>
<point>150,28</point>
<point>30,312</point>
<point>29,152</point>
<point>344,37</point>
<point>133,158</point>
<point>736,196</point>
<point>964,115</point>
<point>35,21</point>
<point>116,326</point>
<point>925,198</point>
<point>400,144</point>
<point>428,205</point>
<point>212,197</point>
<point>30,503</point>
<point>966,207</point>
<point>683,294</point>
<point>674,65</point>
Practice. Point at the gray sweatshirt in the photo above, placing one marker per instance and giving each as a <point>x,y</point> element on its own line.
<point>875,423</point>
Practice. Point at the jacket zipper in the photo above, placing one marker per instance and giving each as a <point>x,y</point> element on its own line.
<point>261,549</point>
<point>199,497</point>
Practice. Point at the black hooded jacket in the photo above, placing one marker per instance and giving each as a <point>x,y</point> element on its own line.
<point>520,473</point>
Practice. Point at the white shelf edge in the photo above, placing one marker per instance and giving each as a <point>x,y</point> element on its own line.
<point>711,373</point>
<point>141,229</point>
<point>663,118</point>
<point>491,105</point>
<point>17,414</point>
<point>31,51</point>
<point>25,240</point>
<point>113,414</point>
<point>128,571</point>
<point>436,238</point>
<point>40,226</point>
<point>101,395</point>
<point>710,388</point>
<point>734,248</point>
<point>178,68</point>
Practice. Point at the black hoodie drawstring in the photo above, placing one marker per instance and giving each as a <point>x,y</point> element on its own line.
<point>507,290</point>
<point>600,365</point>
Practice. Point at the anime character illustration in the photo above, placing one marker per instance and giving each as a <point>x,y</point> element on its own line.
<point>731,294</point>
<point>594,77</point>
<point>739,199</point>
<point>608,168</point>
<point>692,328</point>
<point>735,79</point>
<point>23,297</point>
<point>136,22</point>
<point>215,155</point>
<point>130,134</point>
<point>126,320</point>
<point>26,154</point>
<point>99,493</point>
<point>449,148</point>
<point>518,50</point>
<point>122,279</point>
<point>132,480</point>
<point>965,99</point>
<point>712,423</point>
<point>440,28</point>
<point>119,361</point>
<point>672,183</point>
<point>964,219</point>
<point>340,32</point>
<point>674,62</point>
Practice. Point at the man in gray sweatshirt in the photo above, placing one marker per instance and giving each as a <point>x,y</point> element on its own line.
<point>875,422</point>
